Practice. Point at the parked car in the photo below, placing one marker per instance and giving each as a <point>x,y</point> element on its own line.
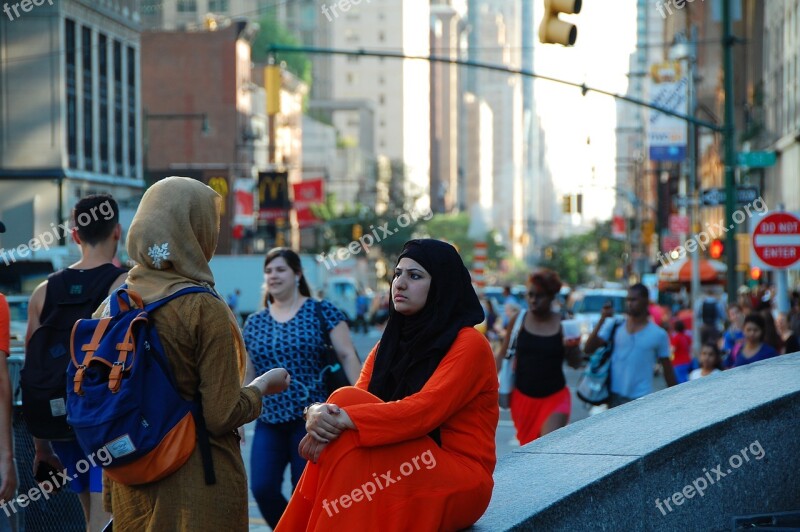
<point>587,304</point>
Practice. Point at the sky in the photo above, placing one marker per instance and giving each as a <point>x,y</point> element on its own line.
<point>600,58</point>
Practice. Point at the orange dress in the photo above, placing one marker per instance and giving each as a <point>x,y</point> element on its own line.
<point>388,474</point>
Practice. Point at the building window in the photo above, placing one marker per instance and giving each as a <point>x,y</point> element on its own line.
<point>187,6</point>
<point>352,59</point>
<point>102,62</point>
<point>218,6</point>
<point>72,102</point>
<point>350,35</point>
<point>350,78</point>
<point>118,131</point>
<point>132,110</point>
<point>88,98</point>
<point>382,99</point>
<point>381,36</point>
<point>381,79</point>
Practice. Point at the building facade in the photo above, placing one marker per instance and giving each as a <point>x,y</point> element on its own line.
<point>70,111</point>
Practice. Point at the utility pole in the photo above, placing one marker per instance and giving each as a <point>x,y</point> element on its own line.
<point>730,148</point>
<point>694,206</point>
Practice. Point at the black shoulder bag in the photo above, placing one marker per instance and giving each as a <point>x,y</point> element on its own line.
<point>332,370</point>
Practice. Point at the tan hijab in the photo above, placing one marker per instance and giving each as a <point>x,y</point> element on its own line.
<point>172,237</point>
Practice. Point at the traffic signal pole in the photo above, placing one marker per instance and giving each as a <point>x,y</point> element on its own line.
<point>730,149</point>
<point>280,48</point>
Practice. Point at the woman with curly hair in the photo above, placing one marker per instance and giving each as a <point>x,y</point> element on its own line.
<point>540,402</point>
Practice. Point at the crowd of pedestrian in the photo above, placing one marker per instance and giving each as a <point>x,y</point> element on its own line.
<point>427,391</point>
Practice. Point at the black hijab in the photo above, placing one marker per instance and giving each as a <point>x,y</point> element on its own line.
<point>412,346</point>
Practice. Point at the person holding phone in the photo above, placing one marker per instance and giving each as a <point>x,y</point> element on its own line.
<point>638,344</point>
<point>541,401</point>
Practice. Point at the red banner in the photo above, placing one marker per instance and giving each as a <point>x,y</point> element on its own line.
<point>307,193</point>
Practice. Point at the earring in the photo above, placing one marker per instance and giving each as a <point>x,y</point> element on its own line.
<point>297,281</point>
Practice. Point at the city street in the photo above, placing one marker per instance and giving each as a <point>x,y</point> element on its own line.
<point>505,439</point>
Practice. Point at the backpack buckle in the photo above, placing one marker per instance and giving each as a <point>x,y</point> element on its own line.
<point>115,377</point>
<point>78,380</point>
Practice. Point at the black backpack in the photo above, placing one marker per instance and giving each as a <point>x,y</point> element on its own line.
<point>71,295</point>
<point>710,314</point>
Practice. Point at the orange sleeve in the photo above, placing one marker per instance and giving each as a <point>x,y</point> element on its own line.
<point>366,371</point>
<point>5,325</point>
<point>458,379</point>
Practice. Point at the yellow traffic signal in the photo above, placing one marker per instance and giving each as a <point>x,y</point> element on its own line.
<point>566,206</point>
<point>358,231</point>
<point>272,86</point>
<point>553,30</point>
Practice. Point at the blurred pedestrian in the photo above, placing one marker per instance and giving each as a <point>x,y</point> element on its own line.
<point>752,347</point>
<point>289,333</point>
<point>681,344</point>
<point>710,311</point>
<point>734,331</point>
<point>788,336</point>
<point>172,238</point>
<point>541,401</point>
<point>710,362</point>
<point>426,400</point>
<point>8,467</point>
<point>638,344</point>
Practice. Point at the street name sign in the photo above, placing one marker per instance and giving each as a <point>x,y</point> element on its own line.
<point>757,159</point>
<point>711,197</point>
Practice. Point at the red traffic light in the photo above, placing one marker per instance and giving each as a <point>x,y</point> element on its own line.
<point>716,249</point>
<point>755,273</point>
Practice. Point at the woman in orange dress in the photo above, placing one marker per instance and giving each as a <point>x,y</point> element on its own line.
<point>411,445</point>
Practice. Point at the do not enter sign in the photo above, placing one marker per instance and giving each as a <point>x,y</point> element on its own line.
<point>776,239</point>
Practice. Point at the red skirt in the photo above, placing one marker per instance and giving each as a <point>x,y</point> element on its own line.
<point>531,413</point>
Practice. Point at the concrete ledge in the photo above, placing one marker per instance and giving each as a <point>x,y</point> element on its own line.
<point>607,472</point>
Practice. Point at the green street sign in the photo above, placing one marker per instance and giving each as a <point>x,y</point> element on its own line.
<point>757,159</point>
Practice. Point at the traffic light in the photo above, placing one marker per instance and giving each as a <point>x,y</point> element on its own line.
<point>579,203</point>
<point>357,231</point>
<point>566,204</point>
<point>716,249</point>
<point>755,273</point>
<point>553,30</point>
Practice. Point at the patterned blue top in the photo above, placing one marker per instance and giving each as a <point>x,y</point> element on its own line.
<point>296,345</point>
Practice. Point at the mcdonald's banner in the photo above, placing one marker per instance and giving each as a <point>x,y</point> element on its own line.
<point>306,194</point>
<point>273,196</point>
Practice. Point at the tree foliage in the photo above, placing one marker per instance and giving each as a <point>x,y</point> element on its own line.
<point>271,31</point>
<point>589,257</point>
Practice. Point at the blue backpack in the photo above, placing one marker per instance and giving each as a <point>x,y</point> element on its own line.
<point>122,395</point>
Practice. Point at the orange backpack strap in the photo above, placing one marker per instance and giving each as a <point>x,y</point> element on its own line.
<point>125,347</point>
<point>89,349</point>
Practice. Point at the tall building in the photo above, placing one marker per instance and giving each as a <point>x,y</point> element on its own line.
<point>214,134</point>
<point>478,164</point>
<point>781,100</point>
<point>183,14</point>
<point>397,88</point>
<point>497,39</point>
<point>444,101</point>
<point>69,111</point>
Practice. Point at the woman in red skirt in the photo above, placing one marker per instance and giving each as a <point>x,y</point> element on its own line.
<point>540,402</point>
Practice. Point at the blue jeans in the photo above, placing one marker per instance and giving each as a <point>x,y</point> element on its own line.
<point>274,446</point>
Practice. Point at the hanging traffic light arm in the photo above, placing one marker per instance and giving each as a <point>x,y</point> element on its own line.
<point>275,48</point>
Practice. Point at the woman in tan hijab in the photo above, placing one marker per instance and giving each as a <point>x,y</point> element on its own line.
<point>172,238</point>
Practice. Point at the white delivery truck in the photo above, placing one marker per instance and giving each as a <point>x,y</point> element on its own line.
<point>246,274</point>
